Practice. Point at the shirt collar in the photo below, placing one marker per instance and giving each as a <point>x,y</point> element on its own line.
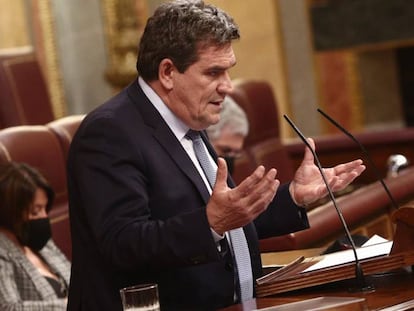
<point>178,127</point>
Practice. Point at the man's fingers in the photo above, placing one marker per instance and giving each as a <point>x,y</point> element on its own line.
<point>260,199</point>
<point>346,173</point>
<point>250,182</point>
<point>308,156</point>
<point>268,183</point>
<point>311,142</point>
<point>221,176</point>
<point>350,166</point>
<point>263,192</point>
<point>232,208</point>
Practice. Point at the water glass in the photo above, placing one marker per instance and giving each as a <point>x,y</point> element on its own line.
<point>142,297</point>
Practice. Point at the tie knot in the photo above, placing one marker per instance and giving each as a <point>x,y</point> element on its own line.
<point>193,135</point>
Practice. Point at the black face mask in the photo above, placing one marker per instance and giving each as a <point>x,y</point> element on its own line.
<point>230,163</point>
<point>36,233</point>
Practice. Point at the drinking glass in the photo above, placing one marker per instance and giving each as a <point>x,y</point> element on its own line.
<point>142,297</point>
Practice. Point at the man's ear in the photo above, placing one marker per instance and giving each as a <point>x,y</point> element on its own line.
<point>166,71</point>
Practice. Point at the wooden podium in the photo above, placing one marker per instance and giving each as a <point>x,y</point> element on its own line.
<point>295,276</point>
<point>393,283</point>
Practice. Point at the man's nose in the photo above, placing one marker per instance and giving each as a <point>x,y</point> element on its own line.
<point>226,85</point>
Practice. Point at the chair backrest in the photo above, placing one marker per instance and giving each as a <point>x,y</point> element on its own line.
<point>272,153</point>
<point>65,128</point>
<point>24,98</point>
<point>263,143</point>
<point>257,99</point>
<point>243,166</point>
<point>39,147</point>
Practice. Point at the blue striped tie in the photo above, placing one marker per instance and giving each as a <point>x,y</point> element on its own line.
<point>237,237</point>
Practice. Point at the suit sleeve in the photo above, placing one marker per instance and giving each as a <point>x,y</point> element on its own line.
<point>282,216</point>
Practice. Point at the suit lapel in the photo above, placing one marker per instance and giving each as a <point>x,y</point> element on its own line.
<point>174,148</point>
<point>167,139</point>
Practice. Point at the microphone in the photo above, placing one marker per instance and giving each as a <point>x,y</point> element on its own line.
<point>365,153</point>
<point>362,285</point>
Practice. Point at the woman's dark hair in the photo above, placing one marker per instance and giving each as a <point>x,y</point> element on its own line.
<point>178,30</point>
<point>18,185</point>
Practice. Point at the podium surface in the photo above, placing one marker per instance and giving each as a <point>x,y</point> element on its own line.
<point>390,276</point>
<point>391,289</point>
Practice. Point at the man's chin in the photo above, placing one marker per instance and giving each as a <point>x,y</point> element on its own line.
<point>204,123</point>
<point>216,120</point>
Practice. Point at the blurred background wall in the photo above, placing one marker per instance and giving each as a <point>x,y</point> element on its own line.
<point>352,58</point>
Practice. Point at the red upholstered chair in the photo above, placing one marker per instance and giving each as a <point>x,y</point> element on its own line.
<point>257,99</point>
<point>243,166</point>
<point>24,98</point>
<point>65,128</point>
<point>39,147</point>
<point>272,153</point>
<point>263,142</point>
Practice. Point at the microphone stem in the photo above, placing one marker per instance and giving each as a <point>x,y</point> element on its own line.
<point>359,274</point>
<point>366,156</point>
<point>341,217</point>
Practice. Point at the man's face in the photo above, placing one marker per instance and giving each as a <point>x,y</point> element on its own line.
<point>197,94</point>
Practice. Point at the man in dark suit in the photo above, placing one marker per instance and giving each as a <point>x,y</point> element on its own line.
<point>141,207</point>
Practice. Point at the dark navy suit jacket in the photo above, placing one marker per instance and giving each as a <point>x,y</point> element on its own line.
<point>137,213</point>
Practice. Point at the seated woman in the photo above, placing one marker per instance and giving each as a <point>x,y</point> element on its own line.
<point>34,273</point>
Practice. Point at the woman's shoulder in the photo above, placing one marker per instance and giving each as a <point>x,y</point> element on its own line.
<point>52,253</point>
<point>56,259</point>
<point>7,247</point>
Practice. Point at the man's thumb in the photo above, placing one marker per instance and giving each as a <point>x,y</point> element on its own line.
<point>221,176</point>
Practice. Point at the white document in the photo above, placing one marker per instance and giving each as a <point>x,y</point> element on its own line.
<point>341,257</point>
<point>375,239</point>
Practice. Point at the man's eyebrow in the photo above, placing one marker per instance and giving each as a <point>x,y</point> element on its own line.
<point>220,68</point>
<point>216,68</point>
